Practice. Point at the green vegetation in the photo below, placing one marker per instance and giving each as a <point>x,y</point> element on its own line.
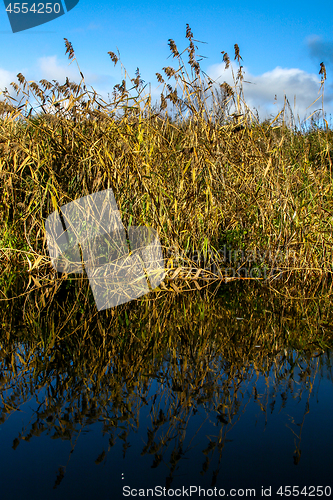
<point>203,181</point>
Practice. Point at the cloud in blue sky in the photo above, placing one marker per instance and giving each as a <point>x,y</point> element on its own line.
<point>320,50</point>
<point>261,92</point>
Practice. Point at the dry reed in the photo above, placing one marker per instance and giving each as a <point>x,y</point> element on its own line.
<point>224,191</point>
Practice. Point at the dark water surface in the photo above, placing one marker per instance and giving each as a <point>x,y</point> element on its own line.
<point>191,391</point>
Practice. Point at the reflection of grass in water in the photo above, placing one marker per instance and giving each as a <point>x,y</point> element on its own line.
<point>99,367</point>
<point>201,179</point>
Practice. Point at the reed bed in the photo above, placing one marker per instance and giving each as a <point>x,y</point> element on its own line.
<point>226,192</point>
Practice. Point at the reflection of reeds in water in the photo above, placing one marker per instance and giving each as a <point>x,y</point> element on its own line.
<point>100,366</point>
<point>208,177</point>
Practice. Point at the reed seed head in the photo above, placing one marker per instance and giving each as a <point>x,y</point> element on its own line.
<point>69,49</point>
<point>226,59</point>
<point>237,56</point>
<point>21,78</point>
<point>164,104</point>
<point>159,78</point>
<point>45,84</point>
<point>322,71</point>
<point>114,58</point>
<point>169,71</point>
<point>137,81</point>
<point>189,33</point>
<point>173,48</point>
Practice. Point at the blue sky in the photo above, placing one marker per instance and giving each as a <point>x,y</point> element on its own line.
<point>282,45</point>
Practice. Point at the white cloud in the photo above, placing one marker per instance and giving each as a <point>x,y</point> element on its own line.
<point>51,69</point>
<point>6,77</point>
<point>261,92</point>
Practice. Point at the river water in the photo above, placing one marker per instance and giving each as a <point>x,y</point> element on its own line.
<point>190,395</point>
